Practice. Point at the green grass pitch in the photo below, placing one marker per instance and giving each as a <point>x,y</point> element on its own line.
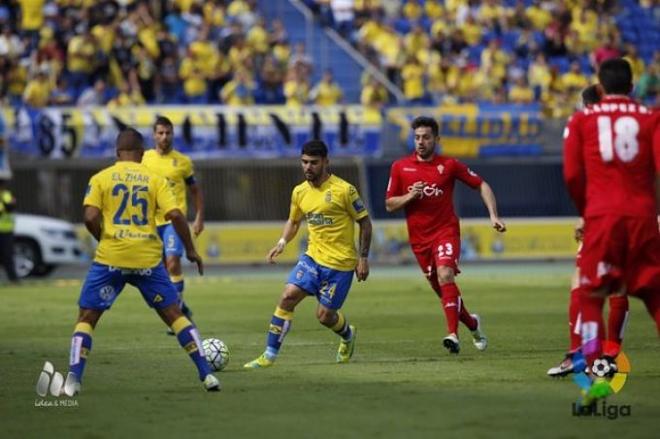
<point>401,382</point>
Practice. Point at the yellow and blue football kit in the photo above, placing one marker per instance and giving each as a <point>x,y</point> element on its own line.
<point>177,169</point>
<point>128,195</point>
<point>326,269</point>
<point>331,210</point>
<point>129,250</point>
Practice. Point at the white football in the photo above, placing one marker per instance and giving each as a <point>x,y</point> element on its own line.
<point>216,353</point>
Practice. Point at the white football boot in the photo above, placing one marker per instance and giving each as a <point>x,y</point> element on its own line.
<point>478,338</point>
<point>211,383</point>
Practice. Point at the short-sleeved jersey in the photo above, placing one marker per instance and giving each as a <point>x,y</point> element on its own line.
<point>331,211</point>
<point>177,168</point>
<point>433,214</point>
<point>609,158</point>
<point>128,195</point>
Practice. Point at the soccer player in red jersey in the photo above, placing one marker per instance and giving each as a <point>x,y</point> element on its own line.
<point>618,315</point>
<point>423,185</point>
<point>611,165</point>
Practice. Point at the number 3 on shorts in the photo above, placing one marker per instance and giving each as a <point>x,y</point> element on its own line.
<point>445,249</point>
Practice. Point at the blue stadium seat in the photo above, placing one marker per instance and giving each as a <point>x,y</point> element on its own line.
<point>561,62</point>
<point>474,53</point>
<point>509,40</point>
<point>402,25</point>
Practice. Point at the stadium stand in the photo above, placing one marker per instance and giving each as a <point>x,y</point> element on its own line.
<point>498,51</point>
<point>123,52</point>
<point>238,52</point>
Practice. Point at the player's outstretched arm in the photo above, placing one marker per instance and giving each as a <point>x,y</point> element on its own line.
<point>181,226</point>
<point>198,200</point>
<point>392,204</point>
<point>491,204</point>
<point>362,269</point>
<point>290,229</point>
<point>92,218</point>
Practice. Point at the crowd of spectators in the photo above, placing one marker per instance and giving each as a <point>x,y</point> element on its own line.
<point>130,52</point>
<point>123,53</point>
<point>519,51</point>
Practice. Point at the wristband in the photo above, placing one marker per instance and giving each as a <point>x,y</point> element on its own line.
<point>281,242</point>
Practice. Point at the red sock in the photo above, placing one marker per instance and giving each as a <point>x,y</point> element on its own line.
<point>616,324</point>
<point>574,320</point>
<point>465,316</point>
<point>451,303</point>
<point>591,308</point>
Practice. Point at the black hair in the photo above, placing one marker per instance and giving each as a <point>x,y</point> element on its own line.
<point>425,121</point>
<point>615,75</point>
<point>315,148</point>
<point>591,95</point>
<point>130,139</point>
<point>164,121</point>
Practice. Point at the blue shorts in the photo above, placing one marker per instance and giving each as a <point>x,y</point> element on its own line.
<point>172,244</point>
<point>329,286</point>
<point>104,283</point>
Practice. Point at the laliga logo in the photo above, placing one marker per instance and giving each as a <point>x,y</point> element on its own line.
<point>603,384</point>
<point>429,191</point>
<point>601,370</point>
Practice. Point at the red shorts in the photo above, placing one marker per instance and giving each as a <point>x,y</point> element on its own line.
<point>443,252</point>
<point>620,251</point>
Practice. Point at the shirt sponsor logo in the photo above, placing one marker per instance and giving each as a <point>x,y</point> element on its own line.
<point>410,169</point>
<point>429,191</point>
<point>318,219</point>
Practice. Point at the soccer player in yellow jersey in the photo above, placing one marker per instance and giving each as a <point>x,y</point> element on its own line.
<point>177,168</point>
<point>120,212</point>
<point>331,206</point>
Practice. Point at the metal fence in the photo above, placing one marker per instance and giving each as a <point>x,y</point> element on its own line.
<point>260,190</point>
<point>255,190</point>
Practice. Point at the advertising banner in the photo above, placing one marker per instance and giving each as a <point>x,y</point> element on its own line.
<point>471,130</point>
<point>248,243</point>
<point>200,131</point>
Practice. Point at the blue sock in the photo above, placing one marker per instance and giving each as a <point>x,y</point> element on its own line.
<point>190,341</point>
<point>279,326</point>
<point>81,345</point>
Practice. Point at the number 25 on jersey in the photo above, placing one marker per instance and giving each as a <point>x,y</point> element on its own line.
<point>138,200</point>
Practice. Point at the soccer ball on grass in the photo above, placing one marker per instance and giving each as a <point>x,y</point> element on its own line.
<point>216,353</point>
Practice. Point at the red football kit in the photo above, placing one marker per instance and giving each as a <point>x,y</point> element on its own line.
<point>611,159</point>
<point>433,227</point>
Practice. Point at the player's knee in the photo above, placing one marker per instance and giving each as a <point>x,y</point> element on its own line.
<point>445,275</point>
<point>90,316</point>
<point>327,317</point>
<point>173,265</point>
<point>288,301</point>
